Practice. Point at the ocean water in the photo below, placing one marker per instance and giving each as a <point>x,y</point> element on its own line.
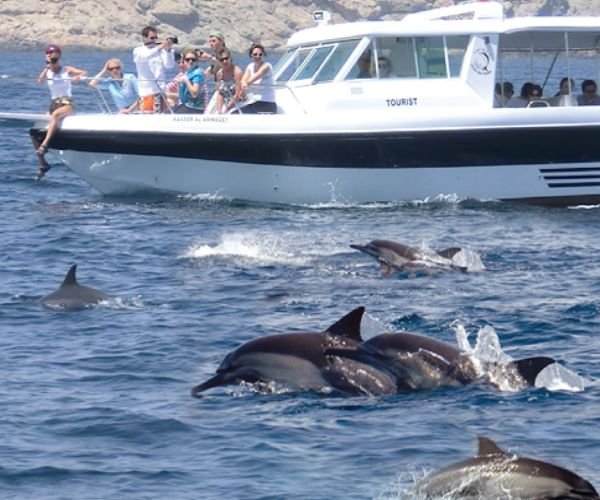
<point>96,403</point>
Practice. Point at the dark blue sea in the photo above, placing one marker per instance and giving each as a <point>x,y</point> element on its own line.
<point>96,403</point>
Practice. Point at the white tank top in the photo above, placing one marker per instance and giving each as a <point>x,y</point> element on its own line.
<point>262,89</point>
<point>59,83</point>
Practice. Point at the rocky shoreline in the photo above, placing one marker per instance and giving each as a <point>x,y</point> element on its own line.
<point>115,24</point>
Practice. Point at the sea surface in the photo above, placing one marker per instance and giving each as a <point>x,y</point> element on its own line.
<point>96,403</point>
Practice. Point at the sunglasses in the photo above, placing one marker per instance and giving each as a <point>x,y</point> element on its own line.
<point>114,68</point>
<point>257,55</point>
<point>223,59</point>
<point>190,59</point>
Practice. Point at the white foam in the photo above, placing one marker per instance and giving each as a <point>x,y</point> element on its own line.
<point>558,378</point>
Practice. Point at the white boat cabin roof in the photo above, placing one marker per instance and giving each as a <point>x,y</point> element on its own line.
<point>486,18</point>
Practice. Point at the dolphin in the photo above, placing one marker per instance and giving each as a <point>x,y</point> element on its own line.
<point>417,362</point>
<point>394,256</point>
<point>72,295</point>
<point>493,473</point>
<point>298,361</point>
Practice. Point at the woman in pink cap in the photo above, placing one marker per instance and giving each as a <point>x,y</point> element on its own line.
<point>59,79</point>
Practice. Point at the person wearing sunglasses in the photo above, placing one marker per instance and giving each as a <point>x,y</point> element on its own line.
<point>152,59</point>
<point>589,95</point>
<point>228,82</point>
<point>193,92</point>
<point>122,87</point>
<point>59,79</point>
<point>258,84</point>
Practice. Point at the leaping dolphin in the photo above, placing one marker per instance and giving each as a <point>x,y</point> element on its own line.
<point>298,361</point>
<point>72,295</point>
<point>394,256</point>
<point>417,362</point>
<point>493,473</point>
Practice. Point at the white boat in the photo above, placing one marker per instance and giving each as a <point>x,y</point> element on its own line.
<point>432,129</point>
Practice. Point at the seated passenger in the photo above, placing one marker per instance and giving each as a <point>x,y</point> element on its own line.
<point>228,82</point>
<point>385,67</point>
<point>589,97</point>
<point>564,96</point>
<point>193,93</point>
<point>521,101</point>
<point>503,94</point>
<point>122,87</point>
<point>258,83</point>
<point>172,88</point>
<point>364,65</point>
<point>535,97</point>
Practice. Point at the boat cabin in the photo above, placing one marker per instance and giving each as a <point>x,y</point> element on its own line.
<point>453,56</point>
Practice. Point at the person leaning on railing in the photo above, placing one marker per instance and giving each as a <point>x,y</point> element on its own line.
<point>59,79</point>
<point>122,87</point>
<point>258,84</point>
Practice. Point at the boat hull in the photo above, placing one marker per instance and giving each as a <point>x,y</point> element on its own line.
<point>264,160</point>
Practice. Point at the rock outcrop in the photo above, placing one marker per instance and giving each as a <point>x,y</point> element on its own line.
<point>115,24</point>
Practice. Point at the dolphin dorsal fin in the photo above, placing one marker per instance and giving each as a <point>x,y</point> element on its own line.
<point>349,325</point>
<point>488,447</point>
<point>70,278</point>
<point>448,253</point>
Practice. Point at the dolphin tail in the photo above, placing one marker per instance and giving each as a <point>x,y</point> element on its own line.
<point>217,380</point>
<point>529,368</point>
<point>349,325</point>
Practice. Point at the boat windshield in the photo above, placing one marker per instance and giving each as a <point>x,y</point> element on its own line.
<point>314,63</point>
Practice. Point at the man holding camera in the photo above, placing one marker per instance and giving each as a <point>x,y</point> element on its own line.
<point>151,60</point>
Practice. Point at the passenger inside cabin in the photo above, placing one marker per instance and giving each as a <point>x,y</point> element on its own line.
<point>503,94</point>
<point>364,65</point>
<point>564,96</point>
<point>522,100</point>
<point>535,97</point>
<point>589,96</point>
<point>385,67</point>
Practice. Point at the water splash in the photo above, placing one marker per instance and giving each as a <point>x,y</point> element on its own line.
<point>493,364</point>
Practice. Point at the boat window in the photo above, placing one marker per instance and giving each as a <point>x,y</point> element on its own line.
<point>457,48</point>
<point>336,60</point>
<point>431,57</point>
<point>314,63</point>
<point>399,54</point>
<point>294,63</point>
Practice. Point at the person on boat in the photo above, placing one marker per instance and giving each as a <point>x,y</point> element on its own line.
<point>122,87</point>
<point>522,100</point>
<point>193,92</point>
<point>152,59</point>
<point>172,87</point>
<point>564,96</point>
<point>364,65</point>
<point>216,41</point>
<point>589,96</point>
<point>228,83</point>
<point>59,79</point>
<point>385,67</point>
<point>503,94</point>
<point>258,84</point>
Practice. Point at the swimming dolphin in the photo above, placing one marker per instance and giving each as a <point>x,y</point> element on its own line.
<point>72,295</point>
<point>493,473</point>
<point>417,362</point>
<point>394,256</point>
<point>298,361</point>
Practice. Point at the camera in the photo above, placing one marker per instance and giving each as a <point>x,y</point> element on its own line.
<point>174,39</point>
<point>53,60</point>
